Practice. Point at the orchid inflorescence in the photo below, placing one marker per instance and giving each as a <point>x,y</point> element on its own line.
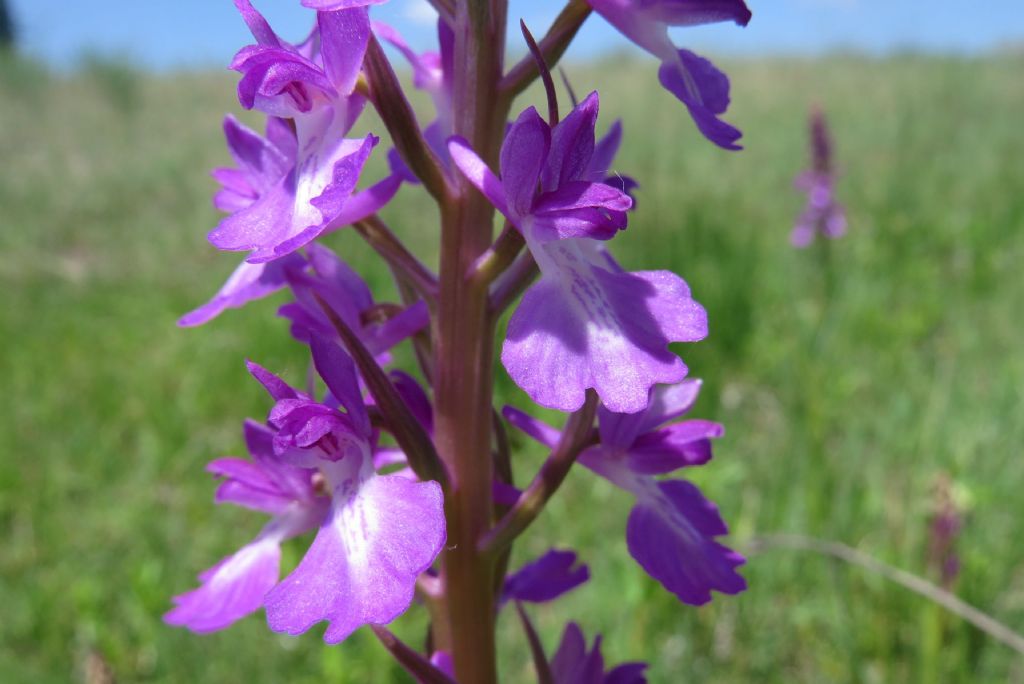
<point>407,480</point>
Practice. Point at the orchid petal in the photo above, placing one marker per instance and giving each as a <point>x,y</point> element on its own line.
<point>362,566</point>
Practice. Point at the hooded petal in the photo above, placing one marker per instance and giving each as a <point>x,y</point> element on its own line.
<point>667,402</point>
<point>523,155</point>
<point>675,446</point>
<point>344,35</point>
<point>572,145</point>
<point>363,564</point>
<point>580,210</point>
<point>670,534</point>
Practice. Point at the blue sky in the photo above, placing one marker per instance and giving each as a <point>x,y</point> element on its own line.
<point>167,34</point>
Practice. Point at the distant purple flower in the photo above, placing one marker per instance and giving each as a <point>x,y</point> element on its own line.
<point>545,579</point>
<point>672,527</point>
<point>314,193</point>
<point>586,323</point>
<point>377,533</point>
<point>235,587</point>
<point>823,214</point>
<point>573,663</point>
<point>694,80</point>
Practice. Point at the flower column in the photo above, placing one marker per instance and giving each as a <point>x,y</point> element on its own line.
<point>464,351</point>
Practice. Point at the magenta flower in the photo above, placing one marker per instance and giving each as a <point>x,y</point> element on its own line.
<point>672,527</point>
<point>377,533</point>
<point>695,81</point>
<point>314,193</point>
<point>586,323</point>
<point>573,663</point>
<point>823,214</point>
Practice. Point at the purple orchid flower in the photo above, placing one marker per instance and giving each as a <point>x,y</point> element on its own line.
<point>262,162</point>
<point>235,587</point>
<point>545,579</point>
<point>573,663</point>
<point>380,532</point>
<point>586,323</point>
<point>672,527</point>
<point>822,214</point>
<point>376,534</point>
<point>695,81</point>
<point>315,193</point>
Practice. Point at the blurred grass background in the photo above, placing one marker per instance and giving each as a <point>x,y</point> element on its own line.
<point>842,409</point>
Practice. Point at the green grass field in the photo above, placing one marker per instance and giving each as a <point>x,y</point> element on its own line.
<point>842,408</point>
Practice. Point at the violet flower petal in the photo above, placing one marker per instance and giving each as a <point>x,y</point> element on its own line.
<point>698,84</point>
<point>582,327</point>
<point>545,579</point>
<point>675,446</point>
<point>523,155</point>
<point>362,566</point>
<point>537,429</point>
<point>235,589</point>
<point>248,282</point>
<point>670,534</point>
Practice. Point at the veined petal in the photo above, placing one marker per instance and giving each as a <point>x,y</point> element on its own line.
<point>247,283</point>
<point>572,145</point>
<point>236,586</point>
<point>344,35</point>
<point>259,159</point>
<point>362,566</point>
<point>582,327</point>
<point>259,27</point>
<point>275,386</point>
<point>248,486</point>
<point>670,534</point>
<point>234,589</point>
<point>478,173</point>
<point>523,155</point>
